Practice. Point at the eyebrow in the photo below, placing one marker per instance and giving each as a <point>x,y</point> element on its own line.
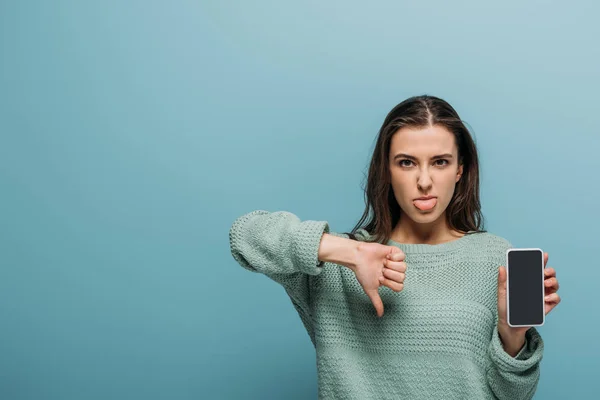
<point>447,155</point>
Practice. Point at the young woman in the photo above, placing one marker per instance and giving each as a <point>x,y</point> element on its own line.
<point>420,253</point>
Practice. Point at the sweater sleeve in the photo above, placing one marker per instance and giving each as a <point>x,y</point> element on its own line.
<point>514,378</point>
<point>282,247</point>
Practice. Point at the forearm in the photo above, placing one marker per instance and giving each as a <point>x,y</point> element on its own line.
<point>338,250</point>
<point>275,243</point>
<point>515,377</point>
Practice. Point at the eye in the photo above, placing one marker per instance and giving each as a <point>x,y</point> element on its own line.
<point>445,162</point>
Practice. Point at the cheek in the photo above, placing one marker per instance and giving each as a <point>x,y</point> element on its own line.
<point>400,178</point>
<point>399,184</point>
<point>398,191</point>
<point>449,188</point>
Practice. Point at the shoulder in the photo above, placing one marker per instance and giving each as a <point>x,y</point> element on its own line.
<point>490,245</point>
<point>489,240</point>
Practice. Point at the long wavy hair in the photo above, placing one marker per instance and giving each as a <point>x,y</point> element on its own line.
<point>382,211</point>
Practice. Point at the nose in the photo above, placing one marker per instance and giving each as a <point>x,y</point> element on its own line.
<point>424,181</point>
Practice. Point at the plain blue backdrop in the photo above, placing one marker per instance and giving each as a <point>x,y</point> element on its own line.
<point>133,133</point>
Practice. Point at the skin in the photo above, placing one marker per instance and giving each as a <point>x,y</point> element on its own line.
<point>425,175</point>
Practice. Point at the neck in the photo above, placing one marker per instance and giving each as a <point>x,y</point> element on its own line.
<point>433,233</point>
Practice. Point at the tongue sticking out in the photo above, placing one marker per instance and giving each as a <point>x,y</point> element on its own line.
<point>425,204</point>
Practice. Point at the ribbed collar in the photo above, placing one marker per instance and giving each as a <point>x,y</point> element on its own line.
<point>420,248</point>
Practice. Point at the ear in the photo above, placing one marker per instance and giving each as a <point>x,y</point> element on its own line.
<point>459,173</point>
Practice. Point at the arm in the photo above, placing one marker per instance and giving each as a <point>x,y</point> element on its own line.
<point>514,369</point>
<point>277,243</point>
<point>515,377</point>
<point>288,251</point>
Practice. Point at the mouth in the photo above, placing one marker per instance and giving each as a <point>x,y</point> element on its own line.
<point>425,204</point>
<point>425,198</point>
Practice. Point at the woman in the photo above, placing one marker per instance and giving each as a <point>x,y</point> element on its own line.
<point>419,251</point>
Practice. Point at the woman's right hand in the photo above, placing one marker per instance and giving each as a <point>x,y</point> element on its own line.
<point>378,265</point>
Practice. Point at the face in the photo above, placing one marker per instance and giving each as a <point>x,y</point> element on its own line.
<point>416,170</point>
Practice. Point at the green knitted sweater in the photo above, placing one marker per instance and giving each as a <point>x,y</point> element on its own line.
<point>438,338</point>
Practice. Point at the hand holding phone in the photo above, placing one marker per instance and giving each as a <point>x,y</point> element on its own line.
<point>525,287</point>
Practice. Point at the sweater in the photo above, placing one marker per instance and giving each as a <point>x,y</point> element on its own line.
<point>438,337</point>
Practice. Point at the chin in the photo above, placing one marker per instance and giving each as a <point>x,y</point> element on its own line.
<point>429,216</point>
<point>426,217</point>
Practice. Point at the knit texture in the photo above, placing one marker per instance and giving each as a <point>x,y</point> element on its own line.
<point>438,337</point>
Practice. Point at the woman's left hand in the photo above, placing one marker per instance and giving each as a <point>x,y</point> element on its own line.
<point>514,338</point>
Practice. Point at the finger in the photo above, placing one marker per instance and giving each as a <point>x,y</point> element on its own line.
<point>501,280</point>
<point>393,275</point>
<point>395,286</point>
<point>548,291</point>
<point>552,298</point>
<point>545,259</point>
<point>548,272</point>
<point>396,254</point>
<point>549,307</point>
<point>376,300</point>
<point>399,266</point>
<point>551,283</point>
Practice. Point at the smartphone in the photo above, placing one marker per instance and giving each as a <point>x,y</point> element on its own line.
<point>525,287</point>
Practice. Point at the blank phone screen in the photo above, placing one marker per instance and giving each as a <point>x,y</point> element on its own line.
<point>525,287</point>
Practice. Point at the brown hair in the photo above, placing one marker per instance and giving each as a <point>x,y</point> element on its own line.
<point>464,210</point>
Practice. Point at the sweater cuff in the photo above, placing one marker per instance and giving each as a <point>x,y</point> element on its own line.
<point>305,246</point>
<point>528,356</point>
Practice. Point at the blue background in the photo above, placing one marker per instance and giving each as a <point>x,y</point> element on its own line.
<point>134,133</point>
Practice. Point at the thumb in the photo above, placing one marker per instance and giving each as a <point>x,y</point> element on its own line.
<point>501,280</point>
<point>394,249</point>
<point>376,300</point>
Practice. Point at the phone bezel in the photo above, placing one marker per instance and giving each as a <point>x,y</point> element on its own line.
<point>508,291</point>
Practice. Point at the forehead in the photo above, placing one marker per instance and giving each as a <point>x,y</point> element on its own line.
<point>423,141</point>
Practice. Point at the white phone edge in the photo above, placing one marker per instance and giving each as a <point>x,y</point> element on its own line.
<point>507,287</point>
